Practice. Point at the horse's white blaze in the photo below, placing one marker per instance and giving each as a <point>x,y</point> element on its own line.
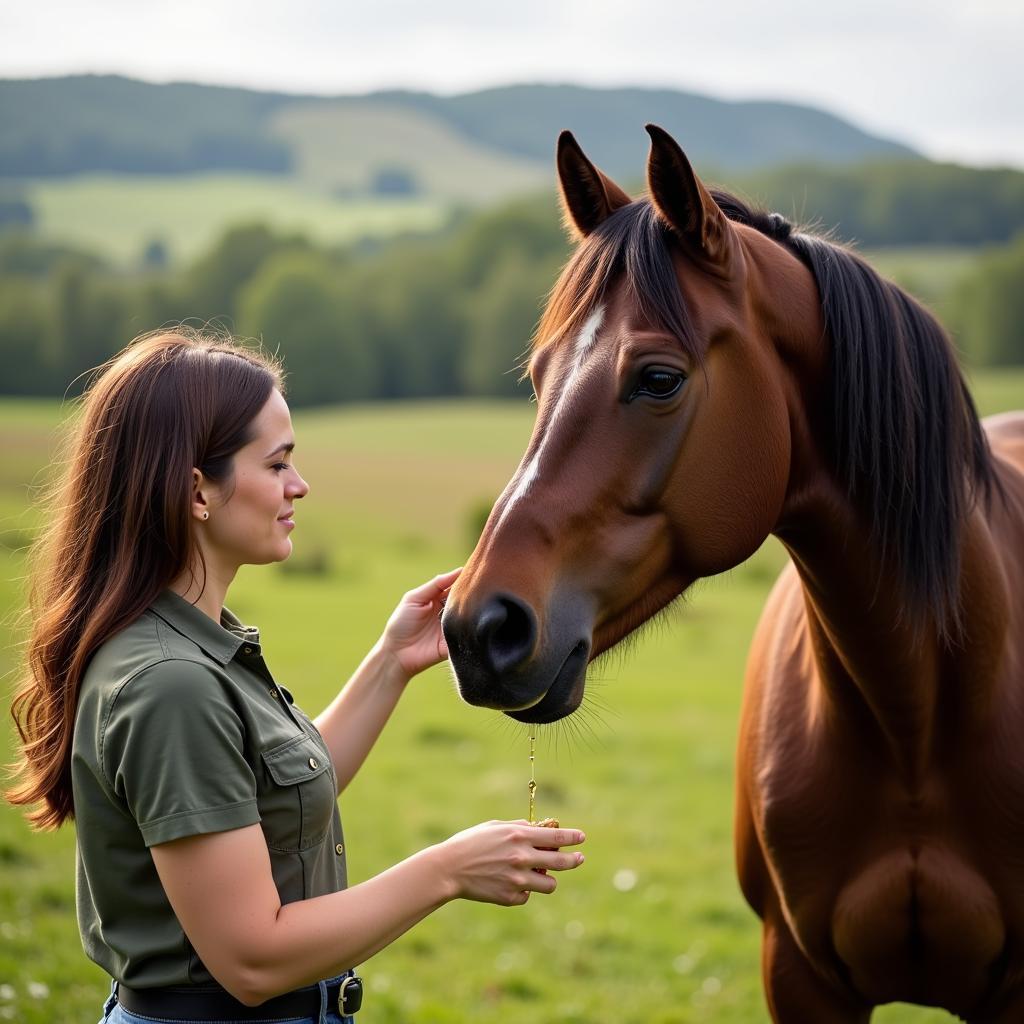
<point>581,350</point>
<point>585,342</point>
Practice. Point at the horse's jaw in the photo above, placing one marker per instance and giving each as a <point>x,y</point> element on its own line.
<point>537,697</point>
<point>542,684</point>
<point>563,696</point>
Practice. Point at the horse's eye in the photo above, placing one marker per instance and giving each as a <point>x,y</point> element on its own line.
<point>658,383</point>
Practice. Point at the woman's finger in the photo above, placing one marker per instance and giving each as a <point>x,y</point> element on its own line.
<point>433,589</point>
<point>536,882</point>
<point>543,838</point>
<point>552,860</point>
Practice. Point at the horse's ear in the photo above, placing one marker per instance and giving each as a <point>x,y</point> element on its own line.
<point>681,198</point>
<point>588,196</point>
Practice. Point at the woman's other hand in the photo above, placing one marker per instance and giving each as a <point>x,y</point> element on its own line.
<point>413,633</point>
<point>504,861</point>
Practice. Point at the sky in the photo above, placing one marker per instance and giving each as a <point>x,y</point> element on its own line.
<point>944,77</point>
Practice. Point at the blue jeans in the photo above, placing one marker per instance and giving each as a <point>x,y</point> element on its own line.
<point>114,1013</point>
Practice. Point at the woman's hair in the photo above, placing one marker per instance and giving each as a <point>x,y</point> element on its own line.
<point>118,524</point>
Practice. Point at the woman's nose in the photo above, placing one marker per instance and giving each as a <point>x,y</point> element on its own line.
<point>299,488</point>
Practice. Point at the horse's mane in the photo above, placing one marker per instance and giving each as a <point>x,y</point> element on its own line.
<point>906,441</point>
<point>632,245</point>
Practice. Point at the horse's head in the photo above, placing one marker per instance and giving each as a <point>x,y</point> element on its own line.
<point>661,447</point>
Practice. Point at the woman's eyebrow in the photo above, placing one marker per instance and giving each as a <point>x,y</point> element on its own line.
<point>287,448</point>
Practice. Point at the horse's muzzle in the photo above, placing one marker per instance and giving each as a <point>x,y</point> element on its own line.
<point>501,662</point>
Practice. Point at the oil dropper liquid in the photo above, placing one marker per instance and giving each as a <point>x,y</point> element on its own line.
<point>533,781</point>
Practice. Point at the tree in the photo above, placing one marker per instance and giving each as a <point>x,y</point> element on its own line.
<point>212,284</point>
<point>296,306</point>
<point>988,307</point>
<point>403,305</point>
<point>90,318</point>
<point>27,353</point>
<point>155,255</point>
<point>501,317</point>
<point>15,213</point>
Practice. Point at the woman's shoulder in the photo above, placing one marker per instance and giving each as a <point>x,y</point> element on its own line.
<point>145,652</point>
<point>140,675</point>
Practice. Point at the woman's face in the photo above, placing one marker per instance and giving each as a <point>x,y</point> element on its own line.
<point>251,517</point>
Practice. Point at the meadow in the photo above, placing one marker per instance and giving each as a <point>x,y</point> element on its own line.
<point>651,929</point>
<point>118,215</point>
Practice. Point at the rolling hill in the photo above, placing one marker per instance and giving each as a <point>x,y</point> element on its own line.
<point>93,123</point>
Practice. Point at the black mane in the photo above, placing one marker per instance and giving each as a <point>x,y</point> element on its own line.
<point>906,441</point>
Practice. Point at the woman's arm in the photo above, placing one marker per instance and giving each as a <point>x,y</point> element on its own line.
<point>222,891</point>
<point>411,642</point>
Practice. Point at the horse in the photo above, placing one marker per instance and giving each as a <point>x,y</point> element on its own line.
<point>706,375</point>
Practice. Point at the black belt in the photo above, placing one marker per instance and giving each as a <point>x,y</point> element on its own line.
<point>192,1003</point>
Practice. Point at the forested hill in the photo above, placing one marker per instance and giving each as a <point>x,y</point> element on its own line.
<point>71,125</point>
<point>730,135</point>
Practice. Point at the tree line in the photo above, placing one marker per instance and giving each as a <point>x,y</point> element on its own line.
<point>897,202</point>
<point>421,316</point>
<point>444,315</point>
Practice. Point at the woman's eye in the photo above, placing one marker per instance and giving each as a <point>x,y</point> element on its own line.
<point>658,383</point>
<point>279,466</point>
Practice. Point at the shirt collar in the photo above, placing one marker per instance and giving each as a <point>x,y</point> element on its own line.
<point>220,642</point>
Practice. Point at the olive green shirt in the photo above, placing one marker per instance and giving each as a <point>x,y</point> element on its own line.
<point>181,730</point>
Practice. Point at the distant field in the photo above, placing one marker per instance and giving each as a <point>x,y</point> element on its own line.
<point>345,144</point>
<point>651,930</point>
<point>118,216</point>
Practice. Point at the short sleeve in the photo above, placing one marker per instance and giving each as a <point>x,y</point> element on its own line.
<point>172,749</point>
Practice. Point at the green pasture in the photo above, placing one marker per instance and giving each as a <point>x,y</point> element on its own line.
<point>118,216</point>
<point>651,930</point>
<point>343,145</point>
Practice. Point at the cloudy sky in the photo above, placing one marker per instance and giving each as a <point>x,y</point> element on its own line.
<point>942,75</point>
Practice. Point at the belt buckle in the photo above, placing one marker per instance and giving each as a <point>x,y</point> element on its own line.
<point>350,995</point>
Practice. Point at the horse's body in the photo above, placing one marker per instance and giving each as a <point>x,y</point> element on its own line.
<point>880,803</point>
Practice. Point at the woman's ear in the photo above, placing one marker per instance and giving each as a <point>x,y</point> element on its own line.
<point>200,504</point>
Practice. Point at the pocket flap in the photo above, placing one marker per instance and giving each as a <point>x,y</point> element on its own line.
<point>294,761</point>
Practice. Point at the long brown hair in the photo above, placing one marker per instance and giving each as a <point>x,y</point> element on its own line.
<point>119,529</point>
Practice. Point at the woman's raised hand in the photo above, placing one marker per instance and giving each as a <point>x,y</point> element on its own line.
<point>504,861</point>
<point>413,633</point>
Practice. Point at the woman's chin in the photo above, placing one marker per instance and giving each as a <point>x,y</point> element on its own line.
<point>280,551</point>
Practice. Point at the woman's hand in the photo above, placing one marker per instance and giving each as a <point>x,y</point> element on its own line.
<point>413,633</point>
<point>504,861</point>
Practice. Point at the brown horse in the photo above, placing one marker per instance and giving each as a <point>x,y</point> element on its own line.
<point>707,376</point>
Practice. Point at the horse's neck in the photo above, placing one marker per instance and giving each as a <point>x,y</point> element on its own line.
<point>868,652</point>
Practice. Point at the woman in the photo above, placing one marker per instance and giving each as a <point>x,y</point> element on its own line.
<point>211,864</point>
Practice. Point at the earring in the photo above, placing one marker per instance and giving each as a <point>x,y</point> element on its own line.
<point>206,515</point>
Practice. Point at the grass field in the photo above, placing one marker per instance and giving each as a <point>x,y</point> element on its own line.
<point>651,930</point>
<point>117,216</point>
<point>343,145</point>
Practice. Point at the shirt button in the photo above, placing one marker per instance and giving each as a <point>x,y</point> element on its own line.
<point>339,849</point>
<point>247,650</point>
<point>274,694</point>
<point>314,763</point>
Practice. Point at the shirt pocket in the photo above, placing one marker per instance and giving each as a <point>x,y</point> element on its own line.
<point>298,803</point>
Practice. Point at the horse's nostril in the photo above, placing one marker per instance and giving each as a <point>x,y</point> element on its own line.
<point>507,631</point>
